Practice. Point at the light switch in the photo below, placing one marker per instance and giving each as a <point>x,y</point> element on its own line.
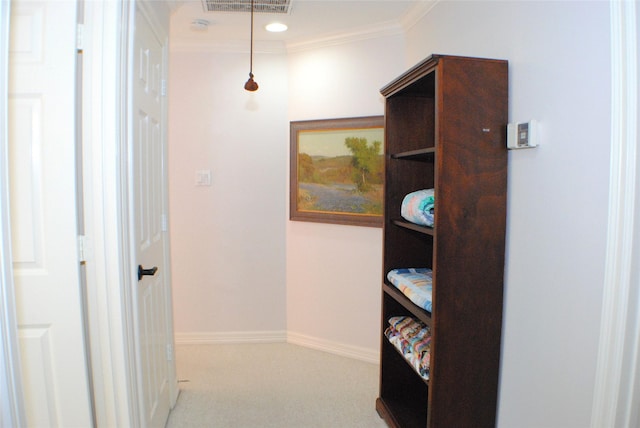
<point>203,177</point>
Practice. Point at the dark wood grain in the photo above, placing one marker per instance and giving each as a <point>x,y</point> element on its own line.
<point>445,128</point>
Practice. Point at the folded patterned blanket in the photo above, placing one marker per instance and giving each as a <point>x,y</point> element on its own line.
<point>418,207</point>
<point>415,283</point>
<point>413,339</point>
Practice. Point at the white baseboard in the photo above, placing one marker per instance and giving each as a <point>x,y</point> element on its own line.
<point>218,338</point>
<point>350,351</point>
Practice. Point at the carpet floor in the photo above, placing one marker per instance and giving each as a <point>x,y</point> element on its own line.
<point>273,385</point>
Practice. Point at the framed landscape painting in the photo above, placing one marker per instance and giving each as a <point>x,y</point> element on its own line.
<point>337,170</point>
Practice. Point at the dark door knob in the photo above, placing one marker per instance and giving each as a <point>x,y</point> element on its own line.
<point>142,271</point>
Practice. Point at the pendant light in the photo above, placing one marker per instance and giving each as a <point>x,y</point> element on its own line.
<point>251,85</point>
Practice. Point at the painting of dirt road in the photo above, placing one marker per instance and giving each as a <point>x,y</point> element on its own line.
<point>338,176</point>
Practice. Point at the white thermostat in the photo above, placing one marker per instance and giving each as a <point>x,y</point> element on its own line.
<point>522,135</point>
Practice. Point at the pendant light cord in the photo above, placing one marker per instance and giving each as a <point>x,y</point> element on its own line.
<point>251,85</point>
<point>251,53</point>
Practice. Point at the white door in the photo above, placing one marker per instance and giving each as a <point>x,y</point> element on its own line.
<point>153,294</point>
<point>43,213</point>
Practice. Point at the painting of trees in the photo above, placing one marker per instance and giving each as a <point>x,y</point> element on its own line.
<point>337,170</point>
<point>366,162</point>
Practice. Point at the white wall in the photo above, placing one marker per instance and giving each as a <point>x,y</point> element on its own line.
<point>228,252</point>
<point>228,240</point>
<point>334,272</point>
<point>560,75</point>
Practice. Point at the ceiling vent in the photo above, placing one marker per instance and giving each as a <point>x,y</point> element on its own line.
<point>259,6</point>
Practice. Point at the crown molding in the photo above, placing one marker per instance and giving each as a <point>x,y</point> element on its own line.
<point>419,10</point>
<point>363,33</point>
<point>234,46</point>
<point>278,47</point>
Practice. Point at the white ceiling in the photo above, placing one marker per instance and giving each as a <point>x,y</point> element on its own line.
<point>309,21</point>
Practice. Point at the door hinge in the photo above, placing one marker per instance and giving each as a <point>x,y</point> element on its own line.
<point>80,37</point>
<point>169,352</point>
<point>84,249</point>
<point>163,87</point>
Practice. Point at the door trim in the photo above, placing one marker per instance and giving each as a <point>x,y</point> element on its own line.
<point>106,208</point>
<point>614,390</point>
<point>11,403</point>
<point>111,273</point>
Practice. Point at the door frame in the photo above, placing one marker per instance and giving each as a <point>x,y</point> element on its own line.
<point>105,208</point>
<point>107,173</point>
<point>615,392</point>
<point>11,404</point>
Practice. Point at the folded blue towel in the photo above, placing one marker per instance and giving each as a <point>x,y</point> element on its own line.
<point>418,207</point>
<point>415,283</point>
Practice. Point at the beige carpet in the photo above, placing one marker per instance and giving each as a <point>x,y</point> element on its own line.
<point>273,385</point>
